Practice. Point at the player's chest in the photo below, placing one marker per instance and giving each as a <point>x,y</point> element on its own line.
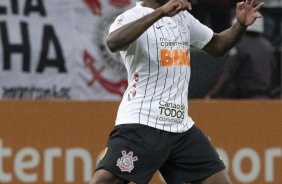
<point>170,32</point>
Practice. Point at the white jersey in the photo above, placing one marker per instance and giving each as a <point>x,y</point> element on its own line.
<point>158,66</point>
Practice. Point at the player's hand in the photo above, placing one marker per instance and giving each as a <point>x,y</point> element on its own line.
<point>247,12</point>
<point>173,7</point>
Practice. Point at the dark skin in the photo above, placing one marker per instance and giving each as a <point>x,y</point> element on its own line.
<point>120,39</point>
<point>246,14</point>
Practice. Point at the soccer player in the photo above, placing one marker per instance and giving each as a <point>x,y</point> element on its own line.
<point>153,129</point>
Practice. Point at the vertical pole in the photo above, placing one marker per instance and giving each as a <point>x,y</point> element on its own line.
<point>280,50</point>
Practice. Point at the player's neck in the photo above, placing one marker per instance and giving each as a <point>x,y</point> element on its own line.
<point>154,4</point>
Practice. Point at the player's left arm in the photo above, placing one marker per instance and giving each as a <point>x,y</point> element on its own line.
<point>246,14</point>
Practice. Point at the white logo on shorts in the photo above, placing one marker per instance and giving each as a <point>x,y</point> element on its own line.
<point>125,163</point>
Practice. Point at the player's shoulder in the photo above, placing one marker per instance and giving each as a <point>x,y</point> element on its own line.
<point>188,17</point>
<point>132,14</point>
<point>186,14</point>
<point>134,10</point>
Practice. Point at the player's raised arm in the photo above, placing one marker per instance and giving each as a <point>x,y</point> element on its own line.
<point>122,37</point>
<point>246,14</point>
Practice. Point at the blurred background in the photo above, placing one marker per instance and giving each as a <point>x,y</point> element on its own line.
<point>60,88</point>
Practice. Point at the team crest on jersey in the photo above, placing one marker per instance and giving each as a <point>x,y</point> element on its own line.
<point>126,162</point>
<point>182,27</point>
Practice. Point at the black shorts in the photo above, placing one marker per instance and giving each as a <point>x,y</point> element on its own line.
<point>135,152</point>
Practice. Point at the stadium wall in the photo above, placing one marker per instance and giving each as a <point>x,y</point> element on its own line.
<point>61,141</point>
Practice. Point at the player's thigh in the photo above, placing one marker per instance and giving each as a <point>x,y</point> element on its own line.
<point>135,152</point>
<point>193,158</point>
<point>221,177</point>
<point>105,177</point>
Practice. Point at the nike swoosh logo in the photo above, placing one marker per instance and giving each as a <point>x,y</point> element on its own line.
<point>158,27</point>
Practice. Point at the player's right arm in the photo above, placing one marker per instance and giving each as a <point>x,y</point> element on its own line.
<point>122,37</point>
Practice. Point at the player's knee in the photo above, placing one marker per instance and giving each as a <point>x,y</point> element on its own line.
<point>221,177</point>
<point>105,177</point>
<point>227,182</point>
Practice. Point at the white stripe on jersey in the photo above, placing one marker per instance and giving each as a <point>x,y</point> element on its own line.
<point>158,66</point>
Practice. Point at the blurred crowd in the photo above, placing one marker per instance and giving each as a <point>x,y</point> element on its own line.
<point>216,14</point>
<point>253,67</point>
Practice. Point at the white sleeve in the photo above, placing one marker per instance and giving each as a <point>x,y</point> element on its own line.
<point>200,34</point>
<point>122,20</point>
